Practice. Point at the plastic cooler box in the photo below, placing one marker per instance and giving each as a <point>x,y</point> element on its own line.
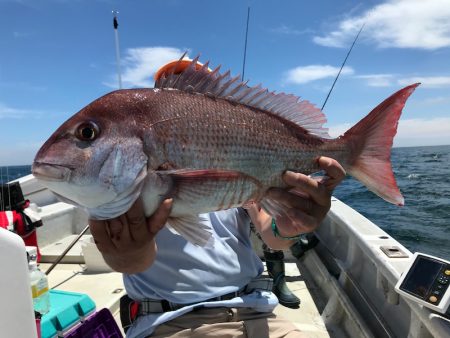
<point>72,315</point>
<point>100,325</point>
<point>67,309</point>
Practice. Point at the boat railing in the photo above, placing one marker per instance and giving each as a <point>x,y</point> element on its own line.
<point>363,264</point>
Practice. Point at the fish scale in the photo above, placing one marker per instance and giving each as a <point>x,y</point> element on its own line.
<point>271,142</point>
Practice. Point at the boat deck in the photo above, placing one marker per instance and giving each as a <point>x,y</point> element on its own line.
<point>105,288</point>
<point>307,317</point>
<point>346,283</point>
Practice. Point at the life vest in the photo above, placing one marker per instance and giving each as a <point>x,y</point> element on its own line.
<point>16,216</point>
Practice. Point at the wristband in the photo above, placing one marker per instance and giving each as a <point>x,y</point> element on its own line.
<point>277,234</point>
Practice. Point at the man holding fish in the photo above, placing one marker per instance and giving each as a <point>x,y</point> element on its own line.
<point>164,173</point>
<point>132,253</point>
<point>204,288</point>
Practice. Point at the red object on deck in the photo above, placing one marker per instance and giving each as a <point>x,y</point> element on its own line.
<point>15,215</point>
<point>17,222</point>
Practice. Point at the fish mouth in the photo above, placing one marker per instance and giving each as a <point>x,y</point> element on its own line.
<point>50,172</point>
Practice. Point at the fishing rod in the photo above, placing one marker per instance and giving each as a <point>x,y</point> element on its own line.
<point>245,44</point>
<point>337,76</point>
<point>342,66</point>
<point>5,188</point>
<point>9,188</point>
<point>119,77</point>
<point>116,36</point>
<point>2,205</point>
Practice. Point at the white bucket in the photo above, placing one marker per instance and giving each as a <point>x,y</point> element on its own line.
<point>92,256</point>
<point>16,304</point>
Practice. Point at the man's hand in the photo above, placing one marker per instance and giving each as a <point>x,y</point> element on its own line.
<point>127,242</point>
<point>309,200</point>
<point>306,202</point>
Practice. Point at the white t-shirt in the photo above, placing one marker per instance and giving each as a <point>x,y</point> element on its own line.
<point>189,274</point>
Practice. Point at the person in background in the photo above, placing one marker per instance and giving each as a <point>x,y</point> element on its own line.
<point>177,289</point>
<point>276,269</point>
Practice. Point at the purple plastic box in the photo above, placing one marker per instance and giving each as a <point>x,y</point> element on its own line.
<point>99,325</point>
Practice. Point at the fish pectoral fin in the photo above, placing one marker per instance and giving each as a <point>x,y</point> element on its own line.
<point>192,229</point>
<point>273,207</point>
<point>211,189</point>
<point>196,175</point>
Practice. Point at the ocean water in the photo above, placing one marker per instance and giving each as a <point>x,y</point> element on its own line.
<point>423,175</point>
<point>13,172</point>
<point>423,223</point>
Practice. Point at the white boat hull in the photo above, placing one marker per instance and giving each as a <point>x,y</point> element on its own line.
<point>348,275</point>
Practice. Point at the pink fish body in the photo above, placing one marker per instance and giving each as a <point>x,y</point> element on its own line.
<point>209,142</point>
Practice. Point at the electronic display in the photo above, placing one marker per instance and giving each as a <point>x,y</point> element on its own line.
<point>426,281</point>
<point>421,277</point>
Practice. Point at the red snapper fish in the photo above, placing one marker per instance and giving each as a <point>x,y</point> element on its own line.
<point>208,141</point>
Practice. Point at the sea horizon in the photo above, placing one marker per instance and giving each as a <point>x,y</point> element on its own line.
<point>422,224</point>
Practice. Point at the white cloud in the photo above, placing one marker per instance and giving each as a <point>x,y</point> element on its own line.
<point>23,86</point>
<point>387,80</point>
<point>412,132</point>
<point>140,64</point>
<point>286,30</point>
<point>434,100</point>
<point>429,82</point>
<point>339,129</point>
<point>378,80</point>
<point>22,35</point>
<point>302,75</point>
<point>398,24</point>
<point>7,112</point>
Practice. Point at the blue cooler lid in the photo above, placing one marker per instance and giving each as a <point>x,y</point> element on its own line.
<point>66,310</point>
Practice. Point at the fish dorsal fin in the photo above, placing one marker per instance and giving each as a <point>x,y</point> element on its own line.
<point>192,76</point>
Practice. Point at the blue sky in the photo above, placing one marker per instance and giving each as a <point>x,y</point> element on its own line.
<point>59,55</point>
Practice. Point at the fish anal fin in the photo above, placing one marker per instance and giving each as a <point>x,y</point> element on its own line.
<point>206,174</point>
<point>192,228</point>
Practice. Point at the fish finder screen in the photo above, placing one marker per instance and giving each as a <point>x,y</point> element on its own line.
<point>421,277</point>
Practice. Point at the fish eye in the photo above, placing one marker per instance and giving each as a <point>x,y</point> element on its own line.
<point>88,131</point>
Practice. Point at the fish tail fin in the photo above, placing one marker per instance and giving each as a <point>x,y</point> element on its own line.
<point>370,141</point>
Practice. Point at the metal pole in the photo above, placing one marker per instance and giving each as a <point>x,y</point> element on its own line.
<point>116,35</point>
<point>63,254</point>
<point>2,193</point>
<point>342,66</point>
<point>245,45</point>
<point>9,189</point>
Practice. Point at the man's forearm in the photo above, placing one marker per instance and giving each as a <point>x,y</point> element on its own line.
<point>273,242</point>
<point>263,224</point>
<point>267,235</point>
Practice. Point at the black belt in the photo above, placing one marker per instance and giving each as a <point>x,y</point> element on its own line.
<point>148,306</point>
<point>131,309</point>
